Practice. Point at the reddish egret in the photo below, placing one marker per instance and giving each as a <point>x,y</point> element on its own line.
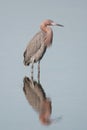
<point>38,45</point>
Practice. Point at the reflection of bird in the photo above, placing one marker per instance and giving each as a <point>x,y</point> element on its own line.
<point>38,100</point>
<point>38,45</point>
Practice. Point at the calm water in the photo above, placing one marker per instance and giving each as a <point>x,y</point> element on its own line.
<point>63,68</point>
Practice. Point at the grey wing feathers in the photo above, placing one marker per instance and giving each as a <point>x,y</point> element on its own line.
<point>33,46</point>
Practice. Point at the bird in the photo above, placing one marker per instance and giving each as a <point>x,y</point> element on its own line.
<point>38,45</point>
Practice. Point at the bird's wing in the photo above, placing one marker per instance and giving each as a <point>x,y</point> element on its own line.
<point>34,45</point>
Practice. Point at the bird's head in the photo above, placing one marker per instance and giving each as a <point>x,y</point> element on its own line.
<point>49,22</point>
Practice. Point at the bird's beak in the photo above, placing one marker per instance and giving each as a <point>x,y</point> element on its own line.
<point>56,24</point>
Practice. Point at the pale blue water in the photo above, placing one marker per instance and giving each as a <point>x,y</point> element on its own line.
<point>63,68</point>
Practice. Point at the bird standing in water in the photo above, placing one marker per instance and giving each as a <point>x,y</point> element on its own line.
<point>38,45</point>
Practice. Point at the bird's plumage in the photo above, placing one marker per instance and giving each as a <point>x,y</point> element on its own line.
<point>35,48</point>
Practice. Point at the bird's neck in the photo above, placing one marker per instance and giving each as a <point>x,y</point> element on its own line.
<point>48,35</point>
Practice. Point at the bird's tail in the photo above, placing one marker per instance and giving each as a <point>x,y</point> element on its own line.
<point>26,62</point>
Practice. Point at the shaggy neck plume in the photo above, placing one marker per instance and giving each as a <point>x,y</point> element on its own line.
<point>48,35</point>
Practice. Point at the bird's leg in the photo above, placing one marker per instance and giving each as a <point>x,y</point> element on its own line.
<point>38,71</point>
<point>32,67</point>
